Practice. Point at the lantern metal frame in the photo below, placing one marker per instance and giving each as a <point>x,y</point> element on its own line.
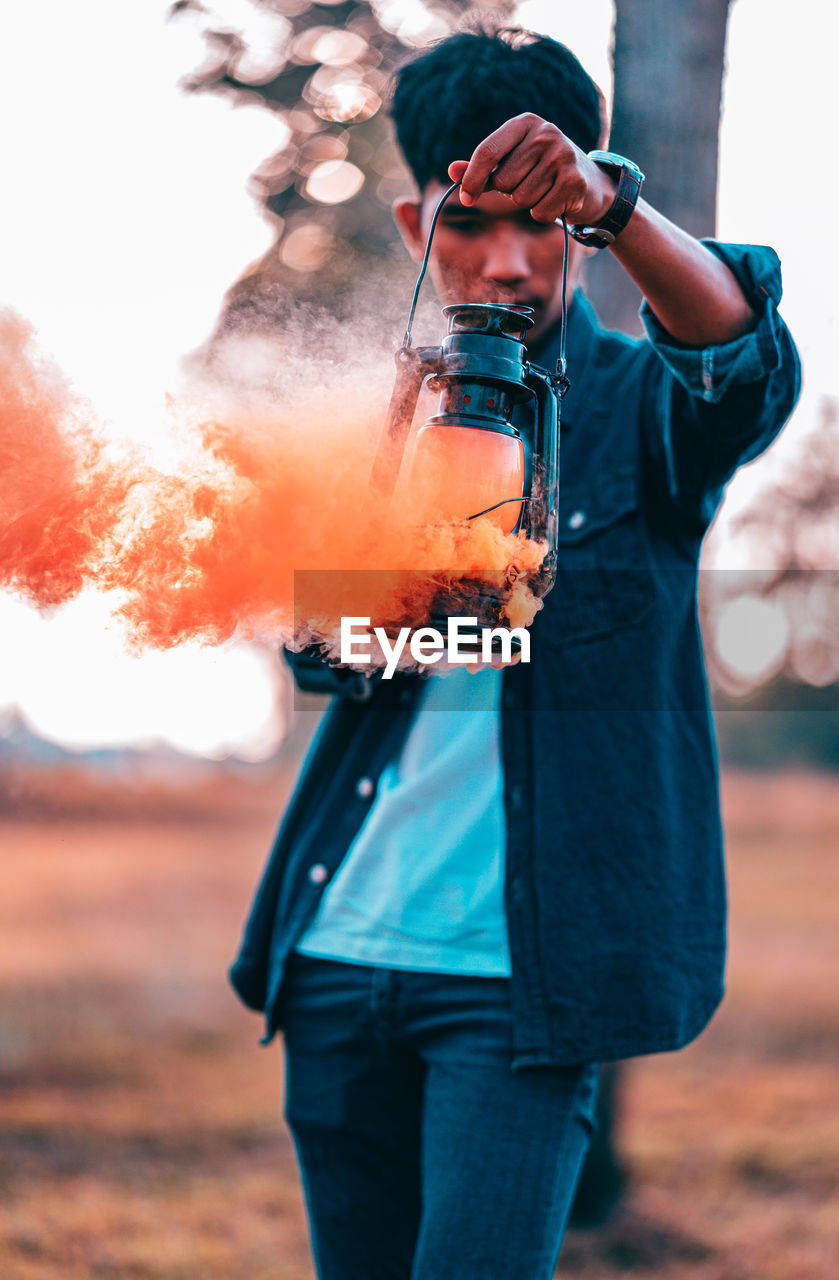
<point>481,371</point>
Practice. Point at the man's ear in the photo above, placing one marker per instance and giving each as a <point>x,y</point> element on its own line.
<point>406,215</point>
<point>605,122</point>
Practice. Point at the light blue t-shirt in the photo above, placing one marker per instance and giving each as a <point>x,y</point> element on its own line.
<point>422,885</point>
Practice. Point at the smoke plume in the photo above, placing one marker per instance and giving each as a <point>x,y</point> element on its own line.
<point>265,492</point>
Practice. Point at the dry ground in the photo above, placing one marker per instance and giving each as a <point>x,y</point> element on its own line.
<point>140,1124</point>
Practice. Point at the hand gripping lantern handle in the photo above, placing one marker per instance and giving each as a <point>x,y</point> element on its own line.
<point>469,457</point>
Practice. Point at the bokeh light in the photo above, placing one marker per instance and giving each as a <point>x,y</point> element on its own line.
<point>411,21</point>
<point>321,147</point>
<point>302,47</point>
<point>751,638</point>
<point>336,48</point>
<point>343,94</point>
<point>306,247</point>
<point>334,181</point>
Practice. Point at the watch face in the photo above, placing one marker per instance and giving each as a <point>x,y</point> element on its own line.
<point>610,159</point>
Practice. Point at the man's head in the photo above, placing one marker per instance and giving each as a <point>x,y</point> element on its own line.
<point>446,101</point>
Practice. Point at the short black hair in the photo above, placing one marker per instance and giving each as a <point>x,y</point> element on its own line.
<point>453,94</point>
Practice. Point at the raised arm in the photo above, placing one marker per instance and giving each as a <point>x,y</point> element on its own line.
<point>694,295</point>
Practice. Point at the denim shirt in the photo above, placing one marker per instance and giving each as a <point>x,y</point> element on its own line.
<point>614,889</point>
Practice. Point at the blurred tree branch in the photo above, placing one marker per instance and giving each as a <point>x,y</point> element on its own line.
<point>329,188</point>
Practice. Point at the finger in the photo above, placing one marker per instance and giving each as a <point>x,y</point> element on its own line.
<point>489,154</point>
<point>535,187</point>
<point>512,171</point>
<point>548,209</point>
<point>457,168</point>
<point>563,198</point>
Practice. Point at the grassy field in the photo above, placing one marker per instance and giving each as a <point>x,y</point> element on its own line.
<point>141,1135</point>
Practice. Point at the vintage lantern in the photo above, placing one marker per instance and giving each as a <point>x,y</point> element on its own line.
<point>469,457</point>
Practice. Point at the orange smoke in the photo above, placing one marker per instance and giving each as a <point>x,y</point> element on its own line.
<point>213,553</point>
<point>59,497</point>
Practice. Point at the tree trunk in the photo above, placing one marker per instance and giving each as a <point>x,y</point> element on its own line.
<point>668,68</point>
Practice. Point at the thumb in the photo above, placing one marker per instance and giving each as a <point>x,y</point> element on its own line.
<point>457,168</point>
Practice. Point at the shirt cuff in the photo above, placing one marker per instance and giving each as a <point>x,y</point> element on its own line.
<point>709,372</point>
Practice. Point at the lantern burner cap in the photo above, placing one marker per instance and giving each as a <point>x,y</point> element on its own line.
<point>489,318</point>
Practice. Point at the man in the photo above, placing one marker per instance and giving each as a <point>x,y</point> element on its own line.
<point>486,884</point>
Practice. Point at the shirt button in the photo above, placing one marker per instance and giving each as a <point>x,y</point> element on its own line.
<point>364,788</point>
<point>318,873</point>
<point>576,520</point>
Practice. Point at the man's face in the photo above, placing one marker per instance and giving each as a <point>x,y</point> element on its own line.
<point>491,251</point>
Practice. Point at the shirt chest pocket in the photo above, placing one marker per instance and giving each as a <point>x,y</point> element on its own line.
<point>604,578</point>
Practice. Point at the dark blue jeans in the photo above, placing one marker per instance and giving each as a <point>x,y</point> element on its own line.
<point>423,1155</point>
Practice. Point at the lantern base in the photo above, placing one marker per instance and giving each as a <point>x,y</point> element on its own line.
<point>476,598</point>
<point>497,645</point>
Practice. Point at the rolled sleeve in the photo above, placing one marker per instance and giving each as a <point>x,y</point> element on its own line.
<point>710,410</point>
<point>709,372</point>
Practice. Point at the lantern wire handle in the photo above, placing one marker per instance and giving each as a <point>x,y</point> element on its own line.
<point>561,374</point>
<point>406,341</point>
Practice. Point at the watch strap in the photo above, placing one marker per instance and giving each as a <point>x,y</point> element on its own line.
<point>630,180</point>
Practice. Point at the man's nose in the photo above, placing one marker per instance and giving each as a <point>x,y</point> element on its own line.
<point>506,258</point>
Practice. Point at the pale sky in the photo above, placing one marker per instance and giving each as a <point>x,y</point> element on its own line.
<point>126,216</point>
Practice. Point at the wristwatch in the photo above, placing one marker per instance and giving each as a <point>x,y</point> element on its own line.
<point>629,179</point>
